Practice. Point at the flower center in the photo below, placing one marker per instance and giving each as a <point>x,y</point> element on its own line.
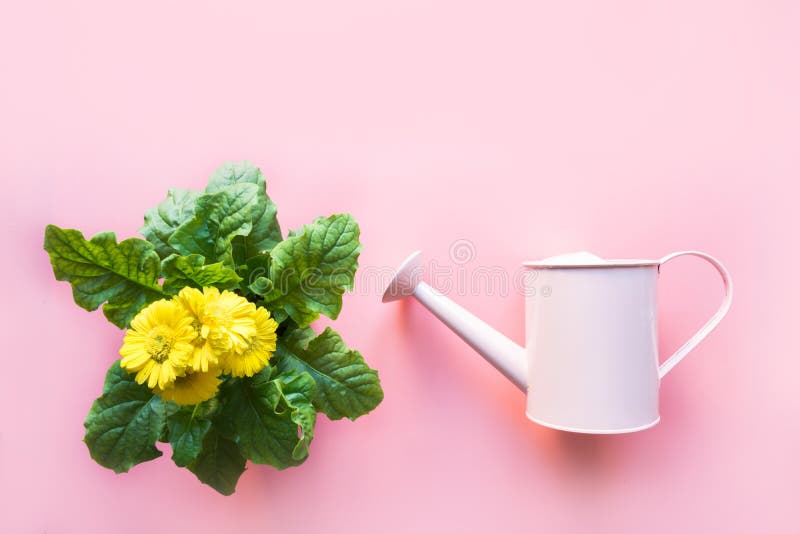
<point>160,343</point>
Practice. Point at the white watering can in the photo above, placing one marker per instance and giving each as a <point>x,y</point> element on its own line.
<point>591,358</point>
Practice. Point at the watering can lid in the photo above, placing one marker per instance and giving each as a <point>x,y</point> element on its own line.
<point>584,259</point>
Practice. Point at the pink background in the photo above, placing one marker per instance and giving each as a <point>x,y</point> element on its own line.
<point>529,129</point>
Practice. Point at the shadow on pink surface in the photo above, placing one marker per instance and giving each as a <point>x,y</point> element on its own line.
<point>474,389</point>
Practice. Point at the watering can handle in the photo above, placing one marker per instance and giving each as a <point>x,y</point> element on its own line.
<point>712,323</point>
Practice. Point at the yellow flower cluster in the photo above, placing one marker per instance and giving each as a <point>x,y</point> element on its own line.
<point>180,347</point>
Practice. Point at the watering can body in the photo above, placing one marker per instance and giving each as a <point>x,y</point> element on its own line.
<point>590,362</point>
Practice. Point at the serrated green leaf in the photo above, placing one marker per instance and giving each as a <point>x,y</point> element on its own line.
<point>298,392</point>
<point>162,221</point>
<point>186,432</point>
<point>122,275</point>
<point>124,424</point>
<point>218,218</point>
<point>346,385</point>
<point>265,436</point>
<point>312,269</point>
<point>266,420</point>
<point>182,271</point>
<point>266,232</point>
<point>220,462</point>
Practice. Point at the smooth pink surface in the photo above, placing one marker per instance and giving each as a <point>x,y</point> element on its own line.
<point>630,129</point>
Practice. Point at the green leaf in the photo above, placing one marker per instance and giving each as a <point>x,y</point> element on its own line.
<point>182,271</point>
<point>123,275</point>
<point>124,423</point>
<point>186,432</point>
<point>311,269</point>
<point>261,286</point>
<point>346,385</point>
<point>298,391</point>
<point>266,420</point>
<point>266,232</point>
<point>218,217</point>
<point>162,221</point>
<point>220,462</point>
<point>254,269</point>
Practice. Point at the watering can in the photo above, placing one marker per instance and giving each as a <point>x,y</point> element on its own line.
<point>590,362</point>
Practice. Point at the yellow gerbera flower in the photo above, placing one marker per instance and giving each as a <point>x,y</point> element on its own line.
<point>204,356</point>
<point>158,344</point>
<point>227,321</point>
<point>192,387</point>
<point>259,349</point>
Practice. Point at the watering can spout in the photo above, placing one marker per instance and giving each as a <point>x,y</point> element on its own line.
<point>505,355</point>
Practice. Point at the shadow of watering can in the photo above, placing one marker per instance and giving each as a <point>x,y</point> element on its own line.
<point>590,363</point>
